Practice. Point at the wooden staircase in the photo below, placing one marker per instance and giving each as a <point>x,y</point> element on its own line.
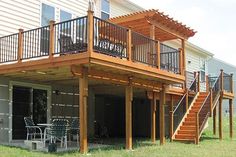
<point>187,128</point>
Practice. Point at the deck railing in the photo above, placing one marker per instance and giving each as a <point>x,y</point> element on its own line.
<point>36,43</point>
<point>227,82</point>
<point>8,48</point>
<point>71,36</point>
<point>77,35</point>
<point>109,39</point>
<point>170,58</point>
<point>144,49</point>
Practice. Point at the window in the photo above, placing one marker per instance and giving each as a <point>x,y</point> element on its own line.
<point>48,13</point>
<point>105,10</point>
<point>202,71</point>
<point>66,28</point>
<point>64,16</point>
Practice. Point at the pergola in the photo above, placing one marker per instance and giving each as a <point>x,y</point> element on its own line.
<point>166,28</point>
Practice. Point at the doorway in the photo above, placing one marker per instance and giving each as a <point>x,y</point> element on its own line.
<point>28,101</point>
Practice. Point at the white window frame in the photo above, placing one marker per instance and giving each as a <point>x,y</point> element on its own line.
<point>102,11</point>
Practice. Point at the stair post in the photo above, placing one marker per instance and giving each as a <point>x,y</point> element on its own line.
<point>197,129</point>
<point>220,104</point>
<point>211,102</point>
<point>198,81</point>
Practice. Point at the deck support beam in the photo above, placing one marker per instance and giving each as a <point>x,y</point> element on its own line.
<point>83,97</point>
<point>231,118</point>
<point>128,115</point>
<point>220,103</point>
<point>171,118</point>
<point>162,114</point>
<point>220,117</point>
<point>214,121</point>
<point>153,118</point>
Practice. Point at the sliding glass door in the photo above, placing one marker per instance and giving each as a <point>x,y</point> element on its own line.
<point>27,102</point>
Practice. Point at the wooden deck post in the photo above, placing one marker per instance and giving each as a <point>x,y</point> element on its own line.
<point>231,118</point>
<point>128,115</point>
<point>162,114</point>
<point>83,96</point>
<point>183,56</point>
<point>232,83</point>
<point>198,81</point>
<point>180,61</point>
<point>90,31</point>
<point>20,45</point>
<point>158,45</point>
<point>220,116</point>
<point>211,101</point>
<point>221,80</point>
<point>214,121</point>
<point>129,44</point>
<point>220,104</point>
<point>207,84</point>
<point>197,129</point>
<point>171,118</point>
<point>51,39</point>
<point>186,105</point>
<point>153,46</point>
<point>153,118</point>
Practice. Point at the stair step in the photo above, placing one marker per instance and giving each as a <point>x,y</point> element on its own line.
<point>183,136</point>
<point>186,132</point>
<point>187,127</point>
<point>181,140</point>
<point>189,123</point>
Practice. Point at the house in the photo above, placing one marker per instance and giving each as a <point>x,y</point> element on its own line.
<point>114,73</point>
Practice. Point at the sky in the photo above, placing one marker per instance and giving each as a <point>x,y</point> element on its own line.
<point>214,21</point>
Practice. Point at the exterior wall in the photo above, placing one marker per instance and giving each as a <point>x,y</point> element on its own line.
<point>214,69</point>
<point>119,8</point>
<point>4,109</point>
<point>27,14</point>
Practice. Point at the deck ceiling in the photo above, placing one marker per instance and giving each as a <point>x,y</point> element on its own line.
<point>165,27</point>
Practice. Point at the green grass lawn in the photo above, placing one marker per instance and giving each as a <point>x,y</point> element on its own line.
<point>209,146</point>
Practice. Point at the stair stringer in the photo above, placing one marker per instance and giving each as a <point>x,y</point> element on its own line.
<point>185,115</point>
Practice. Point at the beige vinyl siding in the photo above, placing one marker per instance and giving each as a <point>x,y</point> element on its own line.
<point>118,8</point>
<point>17,14</point>
<point>26,14</point>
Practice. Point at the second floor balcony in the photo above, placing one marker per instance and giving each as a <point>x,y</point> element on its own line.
<point>97,39</point>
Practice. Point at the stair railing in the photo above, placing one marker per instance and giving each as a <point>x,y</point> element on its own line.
<point>183,105</point>
<point>214,84</point>
<point>202,116</point>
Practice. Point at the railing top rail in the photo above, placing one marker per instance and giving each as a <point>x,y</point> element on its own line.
<point>144,36</point>
<point>203,103</point>
<point>110,23</point>
<point>179,102</point>
<point>8,35</point>
<point>195,78</point>
<point>78,18</point>
<point>36,29</point>
<point>168,47</point>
